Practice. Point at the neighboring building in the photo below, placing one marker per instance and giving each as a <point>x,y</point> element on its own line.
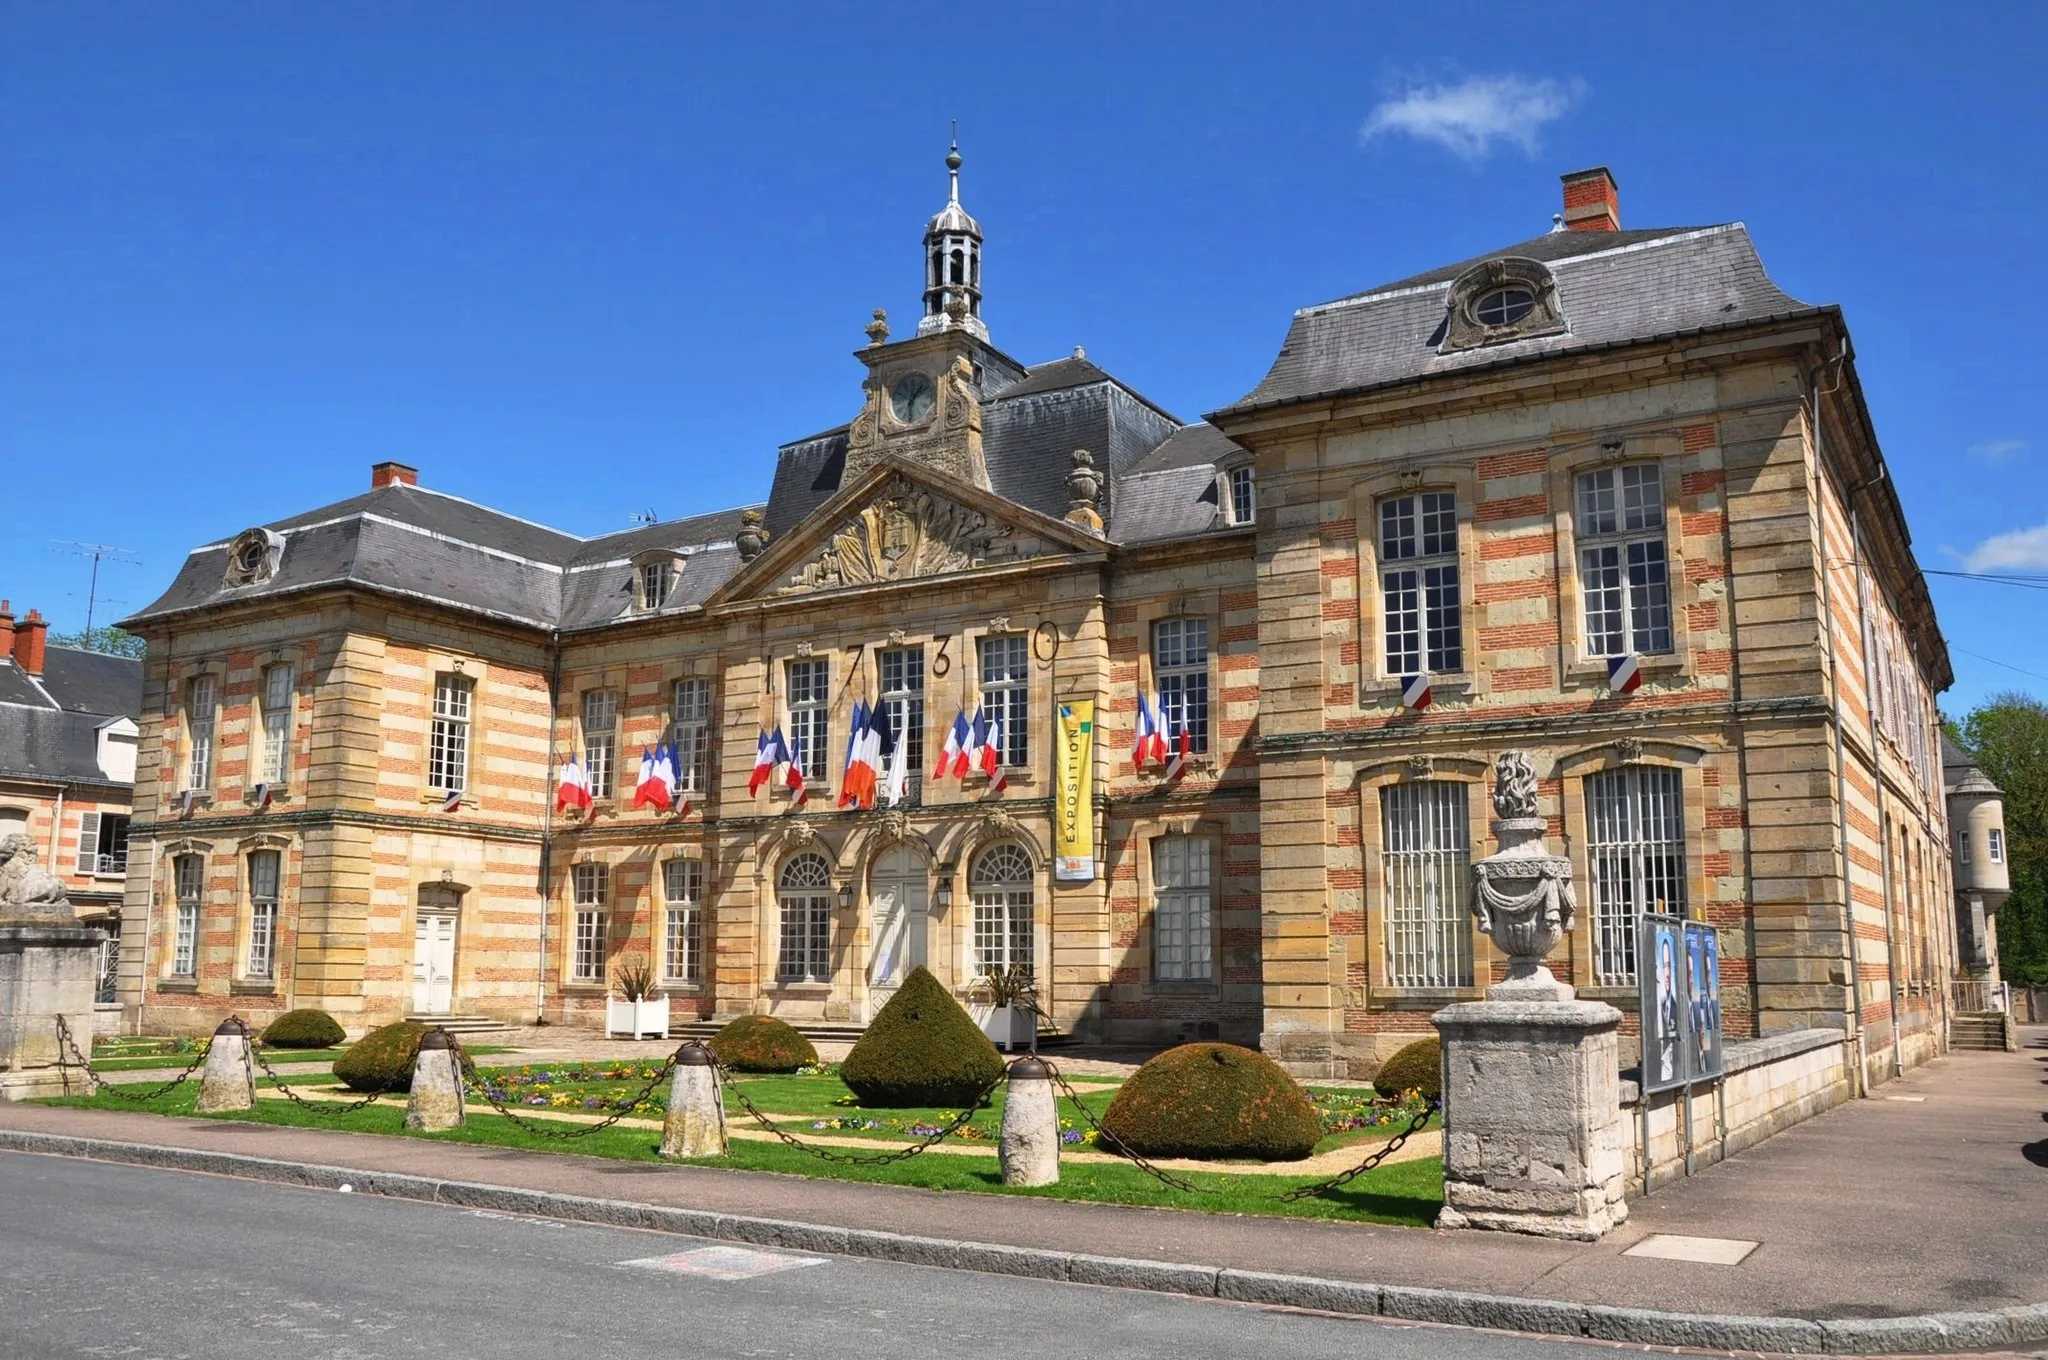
<point>1976,818</point>
<point>67,768</point>
<point>1498,491</point>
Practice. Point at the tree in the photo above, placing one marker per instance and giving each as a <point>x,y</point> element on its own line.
<point>2008,737</point>
<point>111,640</point>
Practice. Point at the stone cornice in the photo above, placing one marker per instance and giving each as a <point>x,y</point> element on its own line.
<point>1542,728</point>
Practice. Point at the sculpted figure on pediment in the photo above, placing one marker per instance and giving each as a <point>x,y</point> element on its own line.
<point>905,532</point>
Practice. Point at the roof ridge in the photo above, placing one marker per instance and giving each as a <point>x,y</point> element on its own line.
<point>488,509</point>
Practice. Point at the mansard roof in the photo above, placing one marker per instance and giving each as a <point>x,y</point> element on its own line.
<point>50,724</point>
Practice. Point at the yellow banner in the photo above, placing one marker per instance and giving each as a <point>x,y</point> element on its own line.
<point>1073,774</point>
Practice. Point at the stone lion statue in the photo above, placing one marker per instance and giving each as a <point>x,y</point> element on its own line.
<point>26,887</point>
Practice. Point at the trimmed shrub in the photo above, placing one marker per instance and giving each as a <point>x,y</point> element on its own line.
<point>761,1043</point>
<point>1417,1067</point>
<point>303,1029</point>
<point>1213,1101</point>
<point>382,1059</point>
<point>922,1049</point>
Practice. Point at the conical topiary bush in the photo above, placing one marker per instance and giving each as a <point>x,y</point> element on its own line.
<point>922,1049</point>
<point>1214,1101</point>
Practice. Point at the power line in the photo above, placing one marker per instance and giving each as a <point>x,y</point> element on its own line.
<point>1996,662</point>
<point>2029,581</point>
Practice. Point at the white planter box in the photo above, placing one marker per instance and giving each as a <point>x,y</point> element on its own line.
<point>636,1019</point>
<point>1009,1026</point>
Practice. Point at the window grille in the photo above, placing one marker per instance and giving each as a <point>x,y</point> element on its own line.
<point>600,725</point>
<point>804,953</point>
<point>1636,847</point>
<point>683,944</point>
<point>1243,503</point>
<point>1006,693</point>
<point>448,738</point>
<point>1002,890</point>
<point>810,726</point>
<point>1181,909</point>
<point>1423,614</point>
<point>1426,873</point>
<point>1622,567</point>
<point>1180,671</point>
<point>902,673</point>
<point>277,725</point>
<point>692,734</point>
<point>189,880</point>
<point>586,961</point>
<point>263,867</point>
<point>199,716</point>
<point>108,980</point>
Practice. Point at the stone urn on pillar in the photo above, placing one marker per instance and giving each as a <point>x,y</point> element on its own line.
<point>1533,1132</point>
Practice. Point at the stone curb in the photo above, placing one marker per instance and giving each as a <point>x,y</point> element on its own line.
<point>1858,1336</point>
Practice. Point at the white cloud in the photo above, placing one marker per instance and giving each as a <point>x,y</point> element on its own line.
<point>1470,116</point>
<point>1998,450</point>
<point>2022,549</point>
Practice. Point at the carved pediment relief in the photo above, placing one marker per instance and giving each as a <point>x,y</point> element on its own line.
<point>907,531</point>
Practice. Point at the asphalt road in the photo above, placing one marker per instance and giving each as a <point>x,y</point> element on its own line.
<point>102,1261</point>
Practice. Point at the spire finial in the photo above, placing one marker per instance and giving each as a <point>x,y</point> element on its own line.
<point>953,162</point>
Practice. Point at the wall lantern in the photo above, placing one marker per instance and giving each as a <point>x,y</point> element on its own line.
<point>945,889</point>
<point>846,895</point>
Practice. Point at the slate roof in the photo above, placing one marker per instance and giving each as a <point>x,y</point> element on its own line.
<point>1613,288</point>
<point>1961,772</point>
<point>49,724</point>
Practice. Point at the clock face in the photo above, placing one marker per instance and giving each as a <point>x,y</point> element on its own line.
<point>911,397</point>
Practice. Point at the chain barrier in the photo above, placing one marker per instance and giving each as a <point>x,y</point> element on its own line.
<point>1104,1138</point>
<point>620,1109</point>
<point>904,1154</point>
<point>96,1084</point>
<point>322,1107</point>
<point>1393,1145</point>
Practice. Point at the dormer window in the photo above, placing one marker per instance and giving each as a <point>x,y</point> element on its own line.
<point>1510,298</point>
<point>253,557</point>
<point>1504,306</point>
<point>1240,495</point>
<point>654,578</point>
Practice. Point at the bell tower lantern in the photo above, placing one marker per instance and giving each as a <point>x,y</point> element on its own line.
<point>952,265</point>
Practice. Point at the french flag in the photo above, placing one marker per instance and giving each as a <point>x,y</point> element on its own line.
<point>1415,693</point>
<point>791,759</point>
<point>989,744</point>
<point>764,760</point>
<point>1183,747</point>
<point>650,787</point>
<point>1624,674</point>
<point>1155,744</point>
<point>953,759</point>
<point>573,789</point>
<point>1141,740</point>
<point>850,779</point>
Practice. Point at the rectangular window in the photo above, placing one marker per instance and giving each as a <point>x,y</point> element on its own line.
<point>200,698</point>
<point>655,580</point>
<point>600,725</point>
<point>189,882</point>
<point>1005,693</point>
<point>1622,561</point>
<point>1423,611</point>
<point>1181,909</point>
<point>1997,838</point>
<point>1180,672</point>
<point>692,734</point>
<point>586,956</point>
<point>683,945</point>
<point>902,672</point>
<point>810,727</point>
<point>103,843</point>
<point>1426,867</point>
<point>1962,836</point>
<point>448,740</point>
<point>277,725</point>
<point>263,867</point>
<point>1636,848</point>
<point>1243,505</point>
<point>804,953</point>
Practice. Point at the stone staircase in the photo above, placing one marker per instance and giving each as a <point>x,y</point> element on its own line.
<point>1985,1032</point>
<point>461,1024</point>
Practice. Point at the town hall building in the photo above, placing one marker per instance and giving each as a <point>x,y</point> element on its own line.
<point>1607,496</point>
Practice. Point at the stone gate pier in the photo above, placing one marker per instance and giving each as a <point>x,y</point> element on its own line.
<point>48,969</point>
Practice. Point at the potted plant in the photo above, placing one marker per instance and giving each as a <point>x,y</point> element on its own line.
<point>1004,1002</point>
<point>635,1011</point>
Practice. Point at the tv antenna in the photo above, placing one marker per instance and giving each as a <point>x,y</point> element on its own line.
<point>644,517</point>
<point>98,552</point>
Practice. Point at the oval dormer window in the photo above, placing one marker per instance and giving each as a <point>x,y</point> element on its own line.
<point>1503,306</point>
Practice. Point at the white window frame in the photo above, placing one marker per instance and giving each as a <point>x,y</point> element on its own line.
<point>202,708</point>
<point>1242,486</point>
<point>1180,675</point>
<point>1005,674</point>
<point>804,899</point>
<point>1635,859</point>
<point>690,732</point>
<point>1004,891</point>
<point>900,677</point>
<point>656,579</point>
<point>683,920</point>
<point>1183,909</point>
<point>589,885</point>
<point>1422,603</point>
<point>810,721</point>
<point>260,959</point>
<point>278,682</point>
<point>188,889</point>
<point>1624,561</point>
<point>448,736</point>
<point>109,829</point>
<point>600,741</point>
<point>1995,841</point>
<point>1426,883</point>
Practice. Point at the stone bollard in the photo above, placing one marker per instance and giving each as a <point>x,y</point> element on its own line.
<point>1030,1144</point>
<point>229,1081</point>
<point>695,1126</point>
<point>436,1100</point>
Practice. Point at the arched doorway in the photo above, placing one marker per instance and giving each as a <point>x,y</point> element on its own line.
<point>899,922</point>
<point>433,950</point>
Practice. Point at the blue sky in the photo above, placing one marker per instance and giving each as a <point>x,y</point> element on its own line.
<point>584,261</point>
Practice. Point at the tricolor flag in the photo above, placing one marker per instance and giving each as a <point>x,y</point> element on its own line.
<point>1141,740</point>
<point>764,760</point>
<point>573,790</point>
<point>665,773</point>
<point>1183,747</point>
<point>1624,674</point>
<point>960,746</point>
<point>260,795</point>
<point>1155,745</point>
<point>990,754</point>
<point>651,787</point>
<point>852,775</point>
<point>792,762</point>
<point>448,804</point>
<point>1415,692</point>
<point>896,781</point>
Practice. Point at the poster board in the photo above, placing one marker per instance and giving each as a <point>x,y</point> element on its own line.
<point>1074,793</point>
<point>1678,964</point>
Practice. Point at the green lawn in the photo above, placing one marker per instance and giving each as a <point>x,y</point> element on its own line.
<point>1408,1193</point>
<point>105,1059</point>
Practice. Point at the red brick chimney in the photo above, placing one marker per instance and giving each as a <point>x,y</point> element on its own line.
<point>1592,202</point>
<point>28,642</point>
<point>393,474</point>
<point>6,628</point>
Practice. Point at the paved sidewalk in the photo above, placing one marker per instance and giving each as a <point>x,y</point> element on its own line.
<point>1930,1197</point>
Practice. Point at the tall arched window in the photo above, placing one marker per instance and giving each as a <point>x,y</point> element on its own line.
<point>1001,885</point>
<point>804,892</point>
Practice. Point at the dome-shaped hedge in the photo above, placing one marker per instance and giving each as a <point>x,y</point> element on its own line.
<point>1214,1101</point>
<point>303,1029</point>
<point>922,1049</point>
<point>382,1059</point>
<point>761,1043</point>
<point>1417,1067</point>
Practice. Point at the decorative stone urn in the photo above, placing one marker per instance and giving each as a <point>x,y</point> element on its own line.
<point>1522,894</point>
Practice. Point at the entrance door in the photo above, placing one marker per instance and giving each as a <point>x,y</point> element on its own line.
<point>898,939</point>
<point>433,953</point>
